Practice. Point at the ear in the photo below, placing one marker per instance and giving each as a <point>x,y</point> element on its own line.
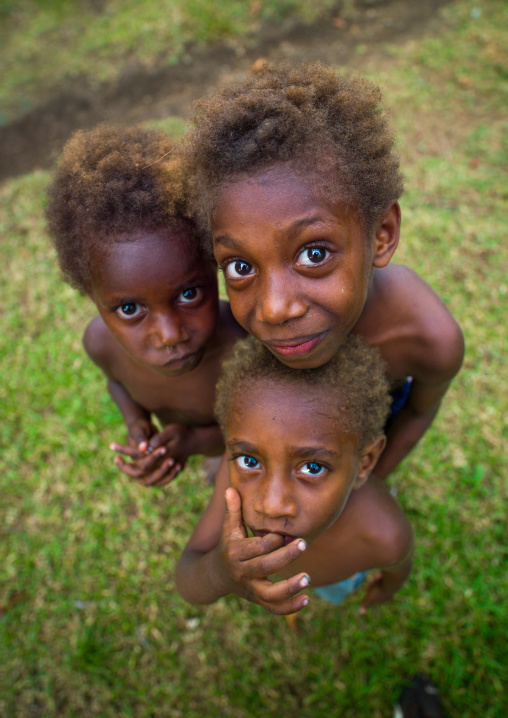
<point>368,460</point>
<point>387,236</point>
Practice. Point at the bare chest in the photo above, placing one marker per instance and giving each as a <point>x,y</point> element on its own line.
<point>186,399</point>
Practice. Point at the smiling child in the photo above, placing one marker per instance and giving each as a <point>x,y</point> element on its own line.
<point>117,216</point>
<point>300,446</point>
<point>297,178</point>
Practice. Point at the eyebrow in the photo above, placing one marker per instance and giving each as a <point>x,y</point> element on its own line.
<point>294,229</point>
<point>302,224</point>
<point>238,445</point>
<point>316,452</point>
<point>225,241</point>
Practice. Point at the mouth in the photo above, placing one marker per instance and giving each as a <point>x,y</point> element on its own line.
<point>287,537</point>
<point>296,347</point>
<point>179,362</point>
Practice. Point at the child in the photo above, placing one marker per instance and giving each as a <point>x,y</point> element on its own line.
<point>116,215</point>
<point>300,446</point>
<point>296,176</point>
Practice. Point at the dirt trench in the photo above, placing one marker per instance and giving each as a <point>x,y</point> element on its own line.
<point>35,139</point>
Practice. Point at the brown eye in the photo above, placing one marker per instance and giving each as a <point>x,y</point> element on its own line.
<point>189,295</point>
<point>312,255</point>
<point>313,468</point>
<point>238,269</point>
<point>247,462</point>
<point>129,310</point>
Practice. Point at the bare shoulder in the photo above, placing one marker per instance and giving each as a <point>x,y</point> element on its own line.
<point>99,344</point>
<point>431,336</point>
<point>384,526</point>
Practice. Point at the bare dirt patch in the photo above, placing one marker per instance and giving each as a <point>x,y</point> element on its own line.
<point>34,140</point>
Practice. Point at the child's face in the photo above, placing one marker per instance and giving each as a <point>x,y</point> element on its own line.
<point>159,302</point>
<point>297,266</point>
<point>291,461</point>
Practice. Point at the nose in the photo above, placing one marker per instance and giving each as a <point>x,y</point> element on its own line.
<point>167,331</point>
<point>279,300</point>
<point>275,499</point>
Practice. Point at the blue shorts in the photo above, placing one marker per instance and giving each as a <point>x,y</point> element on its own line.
<point>399,398</point>
<point>338,592</point>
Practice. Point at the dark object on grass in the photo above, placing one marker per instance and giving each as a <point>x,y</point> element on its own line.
<point>419,699</point>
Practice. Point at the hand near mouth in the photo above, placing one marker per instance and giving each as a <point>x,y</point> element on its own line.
<point>246,563</point>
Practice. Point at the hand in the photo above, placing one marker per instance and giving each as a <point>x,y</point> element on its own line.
<point>247,563</point>
<point>378,591</point>
<point>139,432</point>
<point>156,457</point>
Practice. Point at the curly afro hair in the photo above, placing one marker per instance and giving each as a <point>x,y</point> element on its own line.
<point>355,376</point>
<point>309,116</point>
<point>110,183</point>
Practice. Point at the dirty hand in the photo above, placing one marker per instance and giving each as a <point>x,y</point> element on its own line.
<point>156,457</point>
<point>247,563</point>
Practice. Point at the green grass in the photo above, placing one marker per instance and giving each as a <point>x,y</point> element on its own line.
<point>90,622</point>
<point>95,39</point>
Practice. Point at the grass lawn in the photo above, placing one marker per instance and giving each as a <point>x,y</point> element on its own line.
<point>90,622</point>
<point>96,39</point>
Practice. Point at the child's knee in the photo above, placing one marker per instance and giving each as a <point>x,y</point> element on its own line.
<point>392,535</point>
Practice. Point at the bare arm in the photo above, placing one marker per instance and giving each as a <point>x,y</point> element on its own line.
<point>410,425</point>
<point>430,384</point>
<point>147,467</point>
<point>134,414</point>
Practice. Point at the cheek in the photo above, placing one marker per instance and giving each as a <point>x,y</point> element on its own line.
<point>204,321</point>
<point>328,507</point>
<point>241,307</point>
<point>122,334</point>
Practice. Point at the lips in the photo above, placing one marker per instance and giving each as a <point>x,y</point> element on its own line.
<point>296,347</point>
<point>178,362</point>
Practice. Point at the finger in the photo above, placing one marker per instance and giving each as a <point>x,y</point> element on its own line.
<point>142,445</point>
<point>254,547</point>
<point>276,560</point>
<point>131,451</point>
<point>165,471</point>
<point>149,462</point>
<point>233,521</point>
<point>283,590</point>
<point>128,468</point>
<point>162,437</point>
<point>172,475</point>
<point>284,608</point>
<point>140,435</point>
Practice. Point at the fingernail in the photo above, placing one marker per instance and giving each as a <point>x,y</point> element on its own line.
<point>302,545</point>
<point>362,611</point>
<point>306,602</point>
<point>112,447</point>
<point>304,581</point>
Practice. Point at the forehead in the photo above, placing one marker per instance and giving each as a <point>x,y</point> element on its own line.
<point>284,412</point>
<point>280,196</point>
<point>147,258</point>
